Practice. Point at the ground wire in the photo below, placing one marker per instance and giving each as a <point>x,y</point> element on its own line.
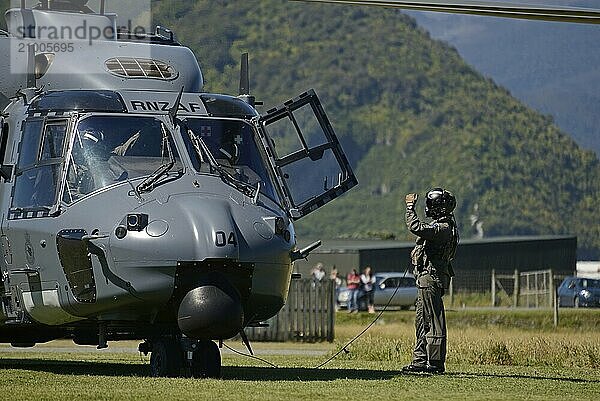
<point>343,349</point>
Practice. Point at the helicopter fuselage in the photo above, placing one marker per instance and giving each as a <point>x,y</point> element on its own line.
<point>84,240</point>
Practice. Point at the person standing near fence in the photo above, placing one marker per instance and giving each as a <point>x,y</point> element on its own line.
<point>367,282</point>
<point>334,276</point>
<point>432,263</point>
<point>353,286</point>
<point>318,272</point>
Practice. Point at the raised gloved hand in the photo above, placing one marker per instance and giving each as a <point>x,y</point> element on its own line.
<point>411,199</point>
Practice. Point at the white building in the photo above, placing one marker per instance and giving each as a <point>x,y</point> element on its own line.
<point>588,269</point>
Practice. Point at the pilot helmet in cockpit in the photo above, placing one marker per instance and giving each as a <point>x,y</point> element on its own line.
<point>90,145</point>
<point>229,147</point>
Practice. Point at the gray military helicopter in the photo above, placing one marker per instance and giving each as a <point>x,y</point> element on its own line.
<point>134,205</point>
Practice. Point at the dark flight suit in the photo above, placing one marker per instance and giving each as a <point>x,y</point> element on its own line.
<point>431,259</point>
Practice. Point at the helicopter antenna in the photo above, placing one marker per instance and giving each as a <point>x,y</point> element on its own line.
<point>244,76</point>
<point>245,82</point>
<point>173,110</point>
<point>485,8</point>
<point>31,78</point>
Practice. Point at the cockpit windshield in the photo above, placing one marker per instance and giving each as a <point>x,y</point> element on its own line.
<point>231,143</point>
<point>112,149</point>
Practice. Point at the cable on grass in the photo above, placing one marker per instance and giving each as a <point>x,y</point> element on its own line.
<point>343,349</point>
<point>250,356</point>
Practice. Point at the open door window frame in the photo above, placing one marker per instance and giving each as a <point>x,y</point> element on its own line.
<point>286,110</point>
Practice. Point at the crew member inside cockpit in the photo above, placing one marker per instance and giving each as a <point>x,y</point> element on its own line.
<point>229,147</point>
<point>90,156</point>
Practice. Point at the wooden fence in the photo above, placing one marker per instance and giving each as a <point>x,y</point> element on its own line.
<point>308,316</point>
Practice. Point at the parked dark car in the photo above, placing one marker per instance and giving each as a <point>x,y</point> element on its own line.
<point>385,285</point>
<point>579,292</point>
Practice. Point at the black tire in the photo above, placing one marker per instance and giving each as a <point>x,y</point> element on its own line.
<point>166,359</point>
<point>206,362</point>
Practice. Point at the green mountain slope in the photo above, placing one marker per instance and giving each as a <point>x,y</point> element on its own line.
<point>410,113</point>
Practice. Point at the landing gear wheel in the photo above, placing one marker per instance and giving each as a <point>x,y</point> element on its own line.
<point>206,362</point>
<point>166,359</point>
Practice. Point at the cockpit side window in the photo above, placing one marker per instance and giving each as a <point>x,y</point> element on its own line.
<point>39,166</point>
<point>54,141</point>
<point>30,145</point>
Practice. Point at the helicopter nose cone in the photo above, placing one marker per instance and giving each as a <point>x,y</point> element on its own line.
<point>212,311</point>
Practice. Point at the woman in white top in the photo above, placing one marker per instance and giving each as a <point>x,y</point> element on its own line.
<point>367,280</point>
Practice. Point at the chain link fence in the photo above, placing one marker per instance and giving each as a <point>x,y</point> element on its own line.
<point>528,289</point>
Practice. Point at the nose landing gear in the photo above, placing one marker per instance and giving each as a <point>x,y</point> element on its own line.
<point>175,357</point>
<point>166,358</point>
<point>206,360</point>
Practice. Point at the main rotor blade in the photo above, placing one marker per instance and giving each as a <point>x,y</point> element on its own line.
<point>485,8</point>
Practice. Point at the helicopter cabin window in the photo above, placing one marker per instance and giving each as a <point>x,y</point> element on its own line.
<point>54,141</point>
<point>232,145</point>
<point>110,150</point>
<point>31,143</point>
<point>40,165</point>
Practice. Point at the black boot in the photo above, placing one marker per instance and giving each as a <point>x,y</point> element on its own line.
<point>433,369</point>
<point>414,368</point>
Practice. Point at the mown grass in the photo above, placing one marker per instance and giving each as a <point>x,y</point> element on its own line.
<point>493,355</point>
<point>125,378</point>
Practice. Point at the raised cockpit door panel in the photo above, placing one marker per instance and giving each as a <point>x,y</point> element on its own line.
<point>309,163</point>
<point>5,170</point>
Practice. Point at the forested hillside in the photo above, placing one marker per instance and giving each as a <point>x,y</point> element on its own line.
<point>410,113</point>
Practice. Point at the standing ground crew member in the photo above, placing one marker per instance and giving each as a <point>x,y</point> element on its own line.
<point>432,262</point>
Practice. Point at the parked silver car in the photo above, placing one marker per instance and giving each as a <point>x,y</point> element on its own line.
<point>385,285</point>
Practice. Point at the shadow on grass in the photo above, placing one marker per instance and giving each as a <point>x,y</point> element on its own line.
<point>229,372</point>
<point>518,376</point>
<point>77,367</point>
<point>304,374</point>
<point>266,374</point>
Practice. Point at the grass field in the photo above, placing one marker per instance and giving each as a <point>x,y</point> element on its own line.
<point>493,355</point>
